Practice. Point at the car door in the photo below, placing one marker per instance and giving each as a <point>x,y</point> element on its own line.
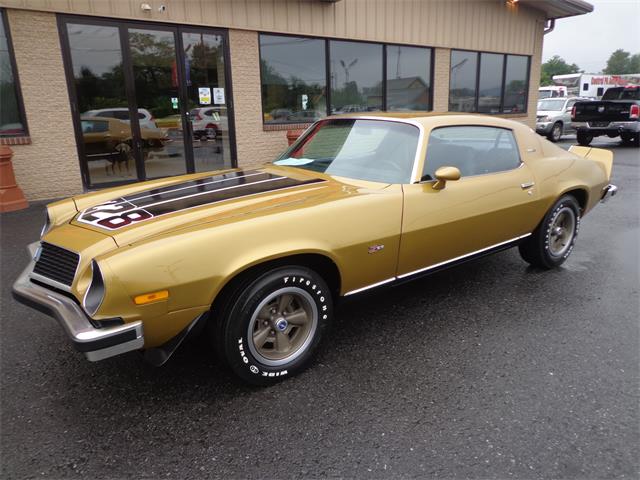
<point>491,205</point>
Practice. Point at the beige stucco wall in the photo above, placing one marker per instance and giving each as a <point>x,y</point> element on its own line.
<point>48,167</point>
<point>254,145</point>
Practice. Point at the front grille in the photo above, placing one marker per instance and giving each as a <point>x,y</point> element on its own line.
<point>57,264</point>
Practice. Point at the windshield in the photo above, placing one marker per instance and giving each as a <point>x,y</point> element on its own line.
<point>632,93</point>
<point>374,150</point>
<point>544,93</point>
<point>547,105</point>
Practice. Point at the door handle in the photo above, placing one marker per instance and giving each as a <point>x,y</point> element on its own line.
<point>524,186</point>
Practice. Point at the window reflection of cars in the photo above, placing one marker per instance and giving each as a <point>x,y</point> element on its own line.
<point>304,116</point>
<point>145,118</point>
<point>171,121</point>
<point>280,114</point>
<point>208,123</point>
<point>110,139</point>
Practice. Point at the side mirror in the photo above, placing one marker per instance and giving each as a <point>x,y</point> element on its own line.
<point>444,175</point>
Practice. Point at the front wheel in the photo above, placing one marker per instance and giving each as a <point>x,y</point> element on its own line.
<point>552,241</point>
<point>584,138</point>
<point>556,132</point>
<point>271,328</point>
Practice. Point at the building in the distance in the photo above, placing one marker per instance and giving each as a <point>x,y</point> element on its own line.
<point>103,92</point>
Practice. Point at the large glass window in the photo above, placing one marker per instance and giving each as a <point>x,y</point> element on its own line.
<point>488,82</point>
<point>293,79</point>
<point>462,81</point>
<point>294,75</point>
<point>474,150</point>
<point>12,122</point>
<point>408,78</point>
<point>374,150</point>
<point>516,84</point>
<point>356,76</point>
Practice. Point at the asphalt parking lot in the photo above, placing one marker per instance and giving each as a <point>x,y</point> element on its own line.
<point>487,370</point>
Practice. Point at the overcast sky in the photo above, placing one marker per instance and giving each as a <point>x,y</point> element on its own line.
<point>588,40</point>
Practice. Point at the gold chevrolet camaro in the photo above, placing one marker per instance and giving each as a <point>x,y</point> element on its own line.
<point>261,256</point>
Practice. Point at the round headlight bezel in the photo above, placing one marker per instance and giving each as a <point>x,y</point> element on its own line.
<point>94,296</point>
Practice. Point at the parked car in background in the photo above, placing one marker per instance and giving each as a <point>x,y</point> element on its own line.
<point>617,114</point>
<point>145,118</point>
<point>109,139</point>
<point>553,118</point>
<point>552,92</point>
<point>208,123</point>
<point>261,256</point>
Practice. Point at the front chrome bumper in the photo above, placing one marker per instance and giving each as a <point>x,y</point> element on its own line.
<point>608,192</point>
<point>95,343</point>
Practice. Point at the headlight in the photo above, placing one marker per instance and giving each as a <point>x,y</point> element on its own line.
<point>47,223</point>
<point>95,293</point>
<point>544,119</point>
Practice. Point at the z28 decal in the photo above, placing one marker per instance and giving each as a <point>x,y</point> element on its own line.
<point>146,205</point>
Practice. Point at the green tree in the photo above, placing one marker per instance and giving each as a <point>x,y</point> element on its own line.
<point>621,62</point>
<point>556,65</point>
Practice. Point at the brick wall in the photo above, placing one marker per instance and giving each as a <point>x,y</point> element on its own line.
<point>441,79</point>
<point>255,146</point>
<point>48,167</point>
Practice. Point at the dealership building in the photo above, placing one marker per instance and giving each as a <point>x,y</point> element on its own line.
<point>98,93</point>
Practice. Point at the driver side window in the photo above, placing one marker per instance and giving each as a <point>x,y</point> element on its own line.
<point>474,150</point>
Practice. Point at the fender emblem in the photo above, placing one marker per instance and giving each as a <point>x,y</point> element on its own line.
<point>375,248</point>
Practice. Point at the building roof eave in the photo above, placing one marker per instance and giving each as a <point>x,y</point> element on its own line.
<point>554,9</point>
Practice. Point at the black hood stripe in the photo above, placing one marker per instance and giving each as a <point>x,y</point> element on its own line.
<point>211,183</point>
<point>123,211</point>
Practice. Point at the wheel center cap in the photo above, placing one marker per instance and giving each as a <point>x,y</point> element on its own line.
<point>281,324</point>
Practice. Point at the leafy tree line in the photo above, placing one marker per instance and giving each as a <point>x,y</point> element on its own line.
<point>619,62</point>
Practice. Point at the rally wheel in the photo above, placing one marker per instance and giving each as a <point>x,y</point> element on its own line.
<point>271,326</point>
<point>552,241</point>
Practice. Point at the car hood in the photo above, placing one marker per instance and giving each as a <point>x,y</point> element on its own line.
<point>129,215</point>
<point>548,113</point>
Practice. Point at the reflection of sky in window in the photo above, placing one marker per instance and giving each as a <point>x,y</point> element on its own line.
<point>367,71</point>
<point>463,70</point>
<point>408,62</point>
<point>516,69</point>
<point>94,47</point>
<point>302,58</point>
<point>491,74</point>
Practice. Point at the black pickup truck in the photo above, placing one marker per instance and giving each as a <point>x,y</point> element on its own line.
<point>617,114</point>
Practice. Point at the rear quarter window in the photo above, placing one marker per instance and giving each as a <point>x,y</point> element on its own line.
<point>474,150</point>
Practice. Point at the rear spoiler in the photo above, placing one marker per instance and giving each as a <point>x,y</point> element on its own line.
<point>602,157</point>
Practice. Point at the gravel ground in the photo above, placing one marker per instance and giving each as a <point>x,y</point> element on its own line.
<point>487,370</point>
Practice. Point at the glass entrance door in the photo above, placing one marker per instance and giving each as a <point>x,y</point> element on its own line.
<point>205,82</point>
<point>148,101</point>
<point>154,65</point>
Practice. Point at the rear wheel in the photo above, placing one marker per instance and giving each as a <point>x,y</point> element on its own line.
<point>556,132</point>
<point>552,241</point>
<point>584,138</point>
<point>272,325</point>
<point>630,139</point>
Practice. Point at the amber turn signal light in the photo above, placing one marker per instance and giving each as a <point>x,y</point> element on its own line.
<point>151,297</point>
